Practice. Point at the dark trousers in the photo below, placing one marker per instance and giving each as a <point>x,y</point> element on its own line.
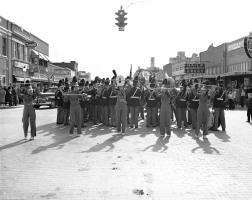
<point>112,115</point>
<point>202,118</point>
<point>59,115</point>
<point>181,114</point>
<point>141,109</point>
<point>66,115</point>
<point>96,114</point>
<point>242,101</point>
<point>105,115</point>
<point>151,116</point>
<point>249,113</point>
<point>219,113</point>
<point>29,114</point>
<point>83,111</point>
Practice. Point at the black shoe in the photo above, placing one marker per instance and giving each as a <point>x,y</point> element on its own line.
<point>248,121</point>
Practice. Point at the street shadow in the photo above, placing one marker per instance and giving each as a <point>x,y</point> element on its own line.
<point>98,130</point>
<point>107,143</point>
<point>179,132</point>
<point>159,145</point>
<point>59,144</point>
<point>14,144</point>
<point>52,128</point>
<point>205,146</point>
<point>222,136</point>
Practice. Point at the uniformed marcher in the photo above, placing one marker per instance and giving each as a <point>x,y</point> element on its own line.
<point>134,96</point>
<point>128,87</point>
<point>165,111</point>
<point>112,100</point>
<point>82,102</point>
<point>59,103</point>
<point>121,105</point>
<point>219,104</point>
<point>29,113</point>
<point>66,105</point>
<point>203,109</point>
<point>181,105</point>
<point>75,109</point>
<point>105,103</point>
<point>193,102</point>
<point>151,100</point>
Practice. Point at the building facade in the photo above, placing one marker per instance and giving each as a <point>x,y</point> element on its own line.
<point>5,46</point>
<point>73,65</point>
<point>178,66</point>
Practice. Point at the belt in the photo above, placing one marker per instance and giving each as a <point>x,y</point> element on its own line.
<point>28,104</point>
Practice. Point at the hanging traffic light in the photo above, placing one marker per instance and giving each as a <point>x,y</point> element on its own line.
<point>121,19</point>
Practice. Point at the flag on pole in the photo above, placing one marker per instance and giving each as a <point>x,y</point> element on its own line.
<point>130,72</point>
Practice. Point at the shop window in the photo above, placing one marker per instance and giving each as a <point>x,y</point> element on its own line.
<point>18,50</point>
<point>4,52</point>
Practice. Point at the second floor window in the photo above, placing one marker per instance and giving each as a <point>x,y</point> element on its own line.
<point>4,52</point>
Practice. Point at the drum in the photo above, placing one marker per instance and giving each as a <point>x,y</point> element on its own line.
<point>210,120</point>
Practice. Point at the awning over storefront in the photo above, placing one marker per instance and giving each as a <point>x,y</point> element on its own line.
<point>41,55</point>
<point>21,79</point>
<point>237,73</point>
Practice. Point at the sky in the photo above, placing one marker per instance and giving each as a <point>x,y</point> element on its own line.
<point>84,30</point>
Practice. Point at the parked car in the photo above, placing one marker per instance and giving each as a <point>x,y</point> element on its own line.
<point>46,98</point>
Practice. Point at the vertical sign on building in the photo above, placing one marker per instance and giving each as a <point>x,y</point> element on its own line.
<point>248,46</point>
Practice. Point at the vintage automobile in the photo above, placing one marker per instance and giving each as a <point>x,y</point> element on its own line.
<point>46,98</point>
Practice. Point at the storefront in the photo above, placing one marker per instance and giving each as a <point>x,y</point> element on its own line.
<point>3,64</point>
<point>238,65</point>
<point>21,71</point>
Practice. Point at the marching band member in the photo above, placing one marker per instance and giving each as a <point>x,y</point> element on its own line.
<point>59,103</point>
<point>121,105</point>
<point>193,105</point>
<point>105,103</point>
<point>90,93</point>
<point>82,103</point>
<point>66,105</point>
<point>249,107</point>
<point>134,97</point>
<point>128,87</point>
<point>29,111</point>
<point>87,102</point>
<point>151,100</point>
<point>141,106</point>
<point>96,102</point>
<point>75,109</point>
<point>219,106</point>
<point>181,105</point>
<point>112,100</point>
<point>165,111</point>
<point>203,109</point>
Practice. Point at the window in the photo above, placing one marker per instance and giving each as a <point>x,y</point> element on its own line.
<point>18,50</point>
<point>4,53</point>
<point>24,55</point>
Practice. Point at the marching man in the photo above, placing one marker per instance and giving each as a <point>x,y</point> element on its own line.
<point>29,111</point>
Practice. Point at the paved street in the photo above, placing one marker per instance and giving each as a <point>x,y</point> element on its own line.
<point>102,164</point>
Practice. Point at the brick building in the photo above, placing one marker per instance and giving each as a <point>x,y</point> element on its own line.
<point>73,65</point>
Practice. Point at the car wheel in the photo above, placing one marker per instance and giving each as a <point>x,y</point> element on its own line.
<point>36,107</point>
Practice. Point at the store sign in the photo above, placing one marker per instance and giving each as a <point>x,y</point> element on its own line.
<point>21,65</point>
<point>236,45</point>
<point>248,46</point>
<point>62,72</point>
<point>194,68</point>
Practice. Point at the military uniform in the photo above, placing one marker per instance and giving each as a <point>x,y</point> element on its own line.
<point>29,113</point>
<point>219,106</point>
<point>105,105</point>
<point>151,100</point>
<point>134,97</point>
<point>112,103</point>
<point>121,110</point>
<point>181,105</point>
<point>203,111</point>
<point>193,106</point>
